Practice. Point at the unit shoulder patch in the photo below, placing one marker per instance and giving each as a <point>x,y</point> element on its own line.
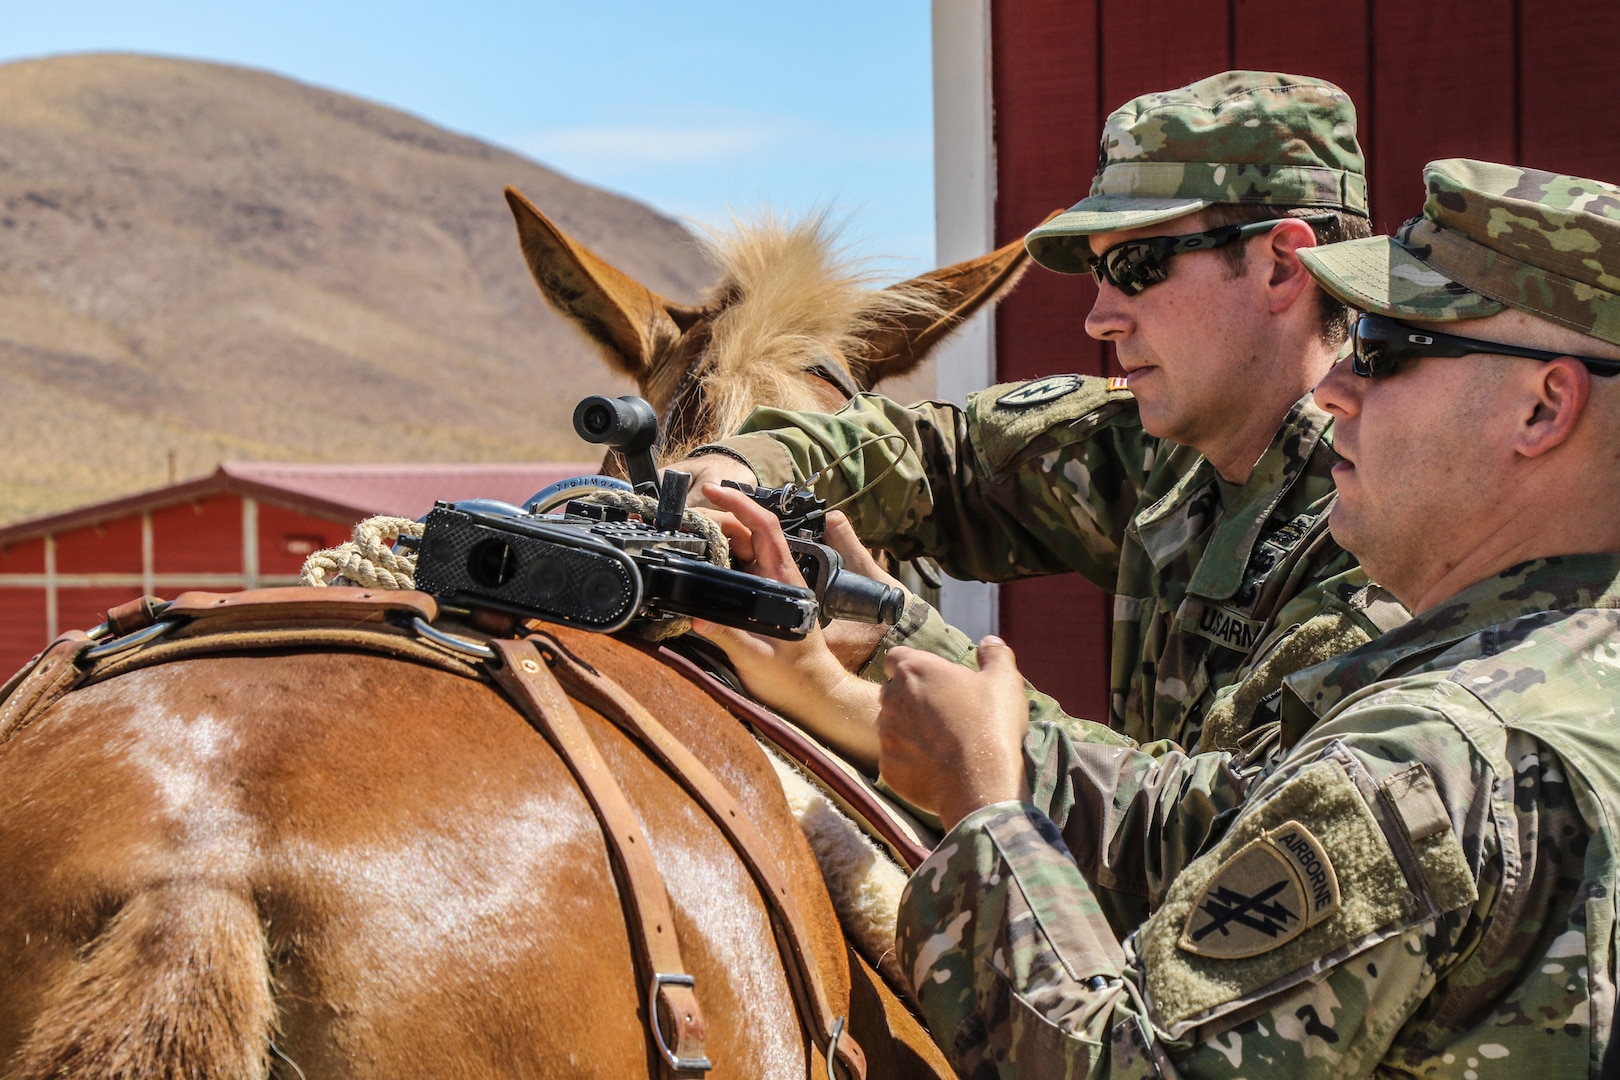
<point>1040,391</point>
<point>1272,890</point>
<point>1236,924</point>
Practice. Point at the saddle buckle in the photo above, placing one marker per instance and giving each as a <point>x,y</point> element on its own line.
<point>683,1028</point>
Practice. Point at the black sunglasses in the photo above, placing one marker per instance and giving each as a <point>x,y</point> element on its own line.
<point>1132,265</point>
<point>1381,343</point>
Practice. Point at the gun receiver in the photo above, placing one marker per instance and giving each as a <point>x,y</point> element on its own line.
<point>598,567</point>
<point>843,593</point>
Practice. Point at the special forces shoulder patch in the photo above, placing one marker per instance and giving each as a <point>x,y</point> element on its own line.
<point>1040,391</point>
<point>1275,888</point>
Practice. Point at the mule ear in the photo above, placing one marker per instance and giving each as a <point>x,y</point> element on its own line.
<point>624,317</point>
<point>961,289</point>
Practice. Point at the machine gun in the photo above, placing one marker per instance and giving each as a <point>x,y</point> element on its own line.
<point>597,566</point>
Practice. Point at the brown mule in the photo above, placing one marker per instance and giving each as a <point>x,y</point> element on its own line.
<point>307,856</point>
<point>307,842</point>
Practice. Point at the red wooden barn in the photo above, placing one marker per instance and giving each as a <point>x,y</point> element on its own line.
<point>1021,88</point>
<point>247,525</point>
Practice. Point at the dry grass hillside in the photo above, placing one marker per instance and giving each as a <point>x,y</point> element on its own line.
<point>210,262</point>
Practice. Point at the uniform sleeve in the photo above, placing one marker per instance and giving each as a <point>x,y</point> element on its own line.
<point>1299,945</point>
<point>993,492</point>
<point>1132,816</point>
<point>921,626</point>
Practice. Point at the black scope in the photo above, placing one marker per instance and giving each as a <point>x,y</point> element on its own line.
<point>626,424</point>
<point>843,593</point>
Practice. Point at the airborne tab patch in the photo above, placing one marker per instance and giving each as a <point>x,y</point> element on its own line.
<point>1040,391</point>
<point>1275,888</point>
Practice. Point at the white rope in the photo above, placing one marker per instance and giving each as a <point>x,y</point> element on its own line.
<point>369,560</point>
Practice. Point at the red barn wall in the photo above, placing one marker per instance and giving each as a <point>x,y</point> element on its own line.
<point>1504,80</point>
<point>195,545</point>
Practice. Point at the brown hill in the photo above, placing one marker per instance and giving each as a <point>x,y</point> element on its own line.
<point>205,262</point>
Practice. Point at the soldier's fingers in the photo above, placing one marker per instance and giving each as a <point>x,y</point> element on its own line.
<point>996,656</point>
<point>737,534</point>
<point>770,554</point>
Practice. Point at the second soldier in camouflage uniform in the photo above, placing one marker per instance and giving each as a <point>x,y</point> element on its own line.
<point>1195,490</point>
<point>1425,883</point>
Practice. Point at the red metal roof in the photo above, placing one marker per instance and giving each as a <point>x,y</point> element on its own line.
<point>339,492</point>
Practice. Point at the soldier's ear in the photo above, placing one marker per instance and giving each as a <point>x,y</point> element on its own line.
<point>1551,404</point>
<point>1288,281</point>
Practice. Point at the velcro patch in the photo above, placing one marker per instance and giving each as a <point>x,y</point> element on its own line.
<point>1376,898</point>
<point>1004,430</point>
<point>1275,888</point>
<point>1039,392</point>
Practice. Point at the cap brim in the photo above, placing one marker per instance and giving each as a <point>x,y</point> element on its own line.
<point>1060,244</point>
<point>1382,276</point>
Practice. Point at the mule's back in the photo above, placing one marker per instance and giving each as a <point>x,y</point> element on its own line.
<point>377,865</point>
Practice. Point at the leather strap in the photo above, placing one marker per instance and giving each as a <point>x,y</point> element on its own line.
<point>53,673</point>
<point>133,615</point>
<point>853,797</point>
<point>835,373</point>
<point>527,678</point>
<point>297,605</point>
<point>824,1024</point>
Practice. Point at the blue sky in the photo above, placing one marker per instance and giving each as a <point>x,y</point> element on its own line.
<point>692,107</point>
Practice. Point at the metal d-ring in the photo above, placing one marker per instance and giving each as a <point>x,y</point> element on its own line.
<point>128,641</point>
<point>461,645</point>
<point>660,980</point>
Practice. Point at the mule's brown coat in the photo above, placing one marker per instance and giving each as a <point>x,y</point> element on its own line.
<point>382,867</point>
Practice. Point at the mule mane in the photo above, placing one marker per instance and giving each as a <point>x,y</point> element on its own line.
<point>793,297</point>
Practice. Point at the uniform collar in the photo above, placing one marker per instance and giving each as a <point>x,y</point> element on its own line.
<point>1164,531</point>
<point>1559,583</point>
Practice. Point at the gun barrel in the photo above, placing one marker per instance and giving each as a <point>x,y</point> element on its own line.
<point>854,596</point>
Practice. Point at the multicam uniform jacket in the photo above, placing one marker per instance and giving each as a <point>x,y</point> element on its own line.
<point>1425,884</point>
<point>1057,474</point>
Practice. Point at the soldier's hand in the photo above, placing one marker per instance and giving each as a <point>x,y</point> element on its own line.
<point>803,680</point>
<point>950,739</point>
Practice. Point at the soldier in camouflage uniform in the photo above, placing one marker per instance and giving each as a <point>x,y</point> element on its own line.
<point>1196,488</point>
<point>1424,882</point>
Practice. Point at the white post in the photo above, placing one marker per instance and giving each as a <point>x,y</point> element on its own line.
<point>148,556</point>
<point>53,619</point>
<point>965,227</point>
<point>250,543</point>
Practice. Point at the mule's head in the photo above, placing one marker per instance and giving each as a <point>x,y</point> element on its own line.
<point>790,325</point>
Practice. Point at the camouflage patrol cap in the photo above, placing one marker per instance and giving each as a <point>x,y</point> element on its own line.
<point>1491,236</point>
<point>1247,137</point>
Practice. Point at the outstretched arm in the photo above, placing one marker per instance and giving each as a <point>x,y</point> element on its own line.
<point>803,680</point>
